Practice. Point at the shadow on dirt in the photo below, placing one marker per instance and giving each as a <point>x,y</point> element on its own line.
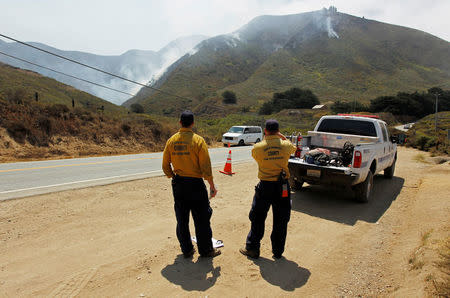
<point>283,273</point>
<point>198,276</point>
<point>339,205</point>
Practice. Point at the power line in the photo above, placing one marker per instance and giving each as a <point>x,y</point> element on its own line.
<point>71,76</point>
<point>92,67</point>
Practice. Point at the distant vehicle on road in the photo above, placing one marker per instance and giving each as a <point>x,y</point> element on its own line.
<point>241,135</point>
<point>408,125</point>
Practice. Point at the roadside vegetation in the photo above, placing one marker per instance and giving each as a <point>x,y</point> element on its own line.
<point>431,259</point>
<point>33,130</point>
<point>42,118</point>
<point>415,105</point>
<point>424,135</point>
<point>294,98</point>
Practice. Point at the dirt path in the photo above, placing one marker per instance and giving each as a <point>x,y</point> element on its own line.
<point>119,240</point>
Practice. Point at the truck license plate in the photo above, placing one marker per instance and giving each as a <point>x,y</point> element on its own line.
<point>313,173</point>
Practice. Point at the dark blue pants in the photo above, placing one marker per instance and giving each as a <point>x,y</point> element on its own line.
<point>190,195</point>
<point>268,193</point>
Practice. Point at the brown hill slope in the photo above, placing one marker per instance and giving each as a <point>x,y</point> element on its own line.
<point>51,128</point>
<point>337,56</point>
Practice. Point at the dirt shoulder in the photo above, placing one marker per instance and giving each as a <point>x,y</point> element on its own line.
<point>119,240</point>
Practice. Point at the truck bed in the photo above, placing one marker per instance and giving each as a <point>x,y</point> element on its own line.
<point>337,141</point>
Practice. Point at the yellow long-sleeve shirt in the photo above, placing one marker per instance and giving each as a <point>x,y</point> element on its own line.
<point>186,154</point>
<point>272,156</point>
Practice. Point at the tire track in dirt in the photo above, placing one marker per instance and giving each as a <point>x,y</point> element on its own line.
<point>72,286</point>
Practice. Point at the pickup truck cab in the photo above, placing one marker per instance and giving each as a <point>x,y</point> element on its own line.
<point>373,152</point>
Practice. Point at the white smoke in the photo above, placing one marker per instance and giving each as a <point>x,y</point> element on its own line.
<point>193,51</point>
<point>331,32</point>
<point>231,42</point>
<point>277,47</point>
<point>168,59</point>
<point>236,35</point>
<point>173,52</point>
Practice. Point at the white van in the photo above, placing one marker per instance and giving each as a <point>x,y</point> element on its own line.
<point>241,135</point>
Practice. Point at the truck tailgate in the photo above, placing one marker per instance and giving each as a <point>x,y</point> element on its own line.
<point>316,174</point>
<point>317,167</point>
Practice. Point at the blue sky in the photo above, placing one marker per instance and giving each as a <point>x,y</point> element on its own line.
<point>113,27</point>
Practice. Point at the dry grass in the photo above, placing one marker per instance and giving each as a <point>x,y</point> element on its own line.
<point>420,157</point>
<point>442,284</point>
<point>415,260</point>
<point>37,131</point>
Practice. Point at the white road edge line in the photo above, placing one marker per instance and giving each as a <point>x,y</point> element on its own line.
<point>91,180</point>
<point>74,182</point>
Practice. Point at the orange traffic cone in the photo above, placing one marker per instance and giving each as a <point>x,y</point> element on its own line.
<point>227,168</point>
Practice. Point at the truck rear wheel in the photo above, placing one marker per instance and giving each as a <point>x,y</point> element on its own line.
<point>295,184</point>
<point>363,191</point>
<point>389,172</point>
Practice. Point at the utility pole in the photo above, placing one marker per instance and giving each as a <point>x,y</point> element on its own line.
<point>436,112</point>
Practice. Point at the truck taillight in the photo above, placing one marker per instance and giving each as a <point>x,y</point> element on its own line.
<point>298,152</point>
<point>357,160</point>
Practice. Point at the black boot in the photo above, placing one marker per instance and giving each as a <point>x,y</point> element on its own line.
<point>254,254</point>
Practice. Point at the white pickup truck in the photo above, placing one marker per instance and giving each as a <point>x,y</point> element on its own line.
<point>374,151</point>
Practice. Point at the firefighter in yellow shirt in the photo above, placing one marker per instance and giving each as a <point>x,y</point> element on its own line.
<point>186,160</point>
<point>272,155</point>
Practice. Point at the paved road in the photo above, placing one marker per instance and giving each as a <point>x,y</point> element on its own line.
<point>31,178</point>
<point>402,127</point>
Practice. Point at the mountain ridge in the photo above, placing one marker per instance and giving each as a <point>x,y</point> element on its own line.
<point>336,55</point>
<point>137,65</point>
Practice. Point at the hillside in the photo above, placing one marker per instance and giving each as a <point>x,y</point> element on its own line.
<point>20,84</point>
<point>136,65</point>
<point>337,56</point>
<point>424,136</point>
<point>51,128</point>
<point>36,131</point>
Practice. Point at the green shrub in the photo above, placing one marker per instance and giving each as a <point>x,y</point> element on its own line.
<point>229,97</point>
<point>148,122</point>
<point>168,111</point>
<point>266,108</point>
<point>294,98</point>
<point>348,107</point>
<point>16,96</point>
<point>45,124</point>
<point>137,108</point>
<point>431,142</point>
<point>57,110</point>
<point>421,141</point>
<point>415,104</point>
<point>245,109</point>
<point>17,130</point>
<point>425,142</point>
<point>126,128</point>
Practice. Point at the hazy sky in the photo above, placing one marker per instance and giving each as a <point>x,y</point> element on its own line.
<point>111,27</point>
